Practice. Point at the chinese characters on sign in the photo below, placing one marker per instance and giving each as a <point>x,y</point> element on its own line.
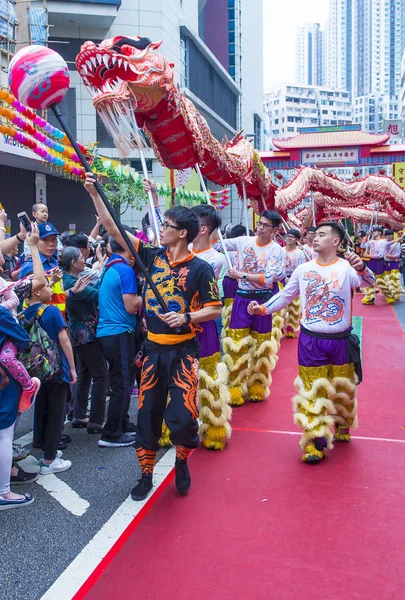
<point>330,156</point>
<point>398,172</point>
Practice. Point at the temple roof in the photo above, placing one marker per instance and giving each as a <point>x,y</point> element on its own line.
<point>330,137</point>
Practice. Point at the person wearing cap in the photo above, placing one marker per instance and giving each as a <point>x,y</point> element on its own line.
<point>47,245</point>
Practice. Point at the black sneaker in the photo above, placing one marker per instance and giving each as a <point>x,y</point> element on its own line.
<point>124,440</point>
<point>183,479</point>
<point>130,429</point>
<point>142,488</point>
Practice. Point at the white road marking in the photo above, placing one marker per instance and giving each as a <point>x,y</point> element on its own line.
<point>72,579</point>
<point>26,439</point>
<point>64,494</point>
<point>58,489</point>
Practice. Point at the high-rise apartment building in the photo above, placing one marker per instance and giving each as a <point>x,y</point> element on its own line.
<point>292,107</point>
<point>233,31</point>
<point>310,54</point>
<point>388,45</point>
<point>361,47</point>
<point>402,89</point>
<point>339,45</point>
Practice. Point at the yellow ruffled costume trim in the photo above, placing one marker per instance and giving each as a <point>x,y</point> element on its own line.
<point>292,318</point>
<point>369,295</point>
<point>215,403</point>
<point>226,317</point>
<point>165,441</point>
<point>264,361</point>
<point>393,283</point>
<point>237,348</point>
<point>325,396</point>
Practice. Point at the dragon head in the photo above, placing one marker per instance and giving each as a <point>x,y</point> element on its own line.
<point>124,76</point>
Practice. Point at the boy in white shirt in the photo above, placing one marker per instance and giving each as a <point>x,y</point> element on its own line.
<point>326,384</point>
<point>250,349</point>
<point>215,400</point>
<point>293,257</point>
<point>375,249</point>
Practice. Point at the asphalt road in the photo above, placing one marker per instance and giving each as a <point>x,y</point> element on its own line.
<point>40,541</point>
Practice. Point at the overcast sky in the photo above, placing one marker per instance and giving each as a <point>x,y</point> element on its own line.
<point>281,21</point>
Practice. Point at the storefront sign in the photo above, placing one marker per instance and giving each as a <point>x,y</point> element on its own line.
<point>40,188</point>
<point>398,173</point>
<point>10,146</point>
<point>330,156</point>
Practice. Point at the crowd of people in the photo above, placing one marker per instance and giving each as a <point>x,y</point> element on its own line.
<point>80,325</point>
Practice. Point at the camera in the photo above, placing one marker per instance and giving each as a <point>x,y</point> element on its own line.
<point>100,243</point>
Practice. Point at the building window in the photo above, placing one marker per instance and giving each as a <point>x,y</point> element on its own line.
<point>183,62</point>
<point>257,124</point>
<point>137,165</point>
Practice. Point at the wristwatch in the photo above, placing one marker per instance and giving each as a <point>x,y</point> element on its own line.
<point>244,277</point>
<point>187,316</point>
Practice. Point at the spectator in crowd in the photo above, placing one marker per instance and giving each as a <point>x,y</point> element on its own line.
<point>48,242</point>
<point>118,304</point>
<point>10,263</point>
<point>10,390</point>
<point>50,406</point>
<point>82,313</point>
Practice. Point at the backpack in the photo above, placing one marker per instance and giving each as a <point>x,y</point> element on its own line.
<point>42,358</point>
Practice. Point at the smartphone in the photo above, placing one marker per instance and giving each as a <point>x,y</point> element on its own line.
<point>25,220</point>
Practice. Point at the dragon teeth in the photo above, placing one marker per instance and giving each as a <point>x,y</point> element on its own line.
<point>105,60</point>
<point>114,60</point>
<point>99,59</point>
<point>133,68</point>
<point>84,70</point>
<point>125,65</point>
<point>93,62</point>
<point>119,62</point>
<point>88,63</point>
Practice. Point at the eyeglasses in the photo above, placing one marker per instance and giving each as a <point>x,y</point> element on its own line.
<point>165,225</point>
<point>264,225</point>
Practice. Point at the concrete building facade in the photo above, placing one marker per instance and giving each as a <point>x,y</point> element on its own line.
<point>292,107</point>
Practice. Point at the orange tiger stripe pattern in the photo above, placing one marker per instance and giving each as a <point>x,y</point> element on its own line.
<point>182,453</point>
<point>147,459</point>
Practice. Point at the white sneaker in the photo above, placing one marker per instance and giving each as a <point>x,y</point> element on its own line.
<point>57,466</point>
<point>59,454</point>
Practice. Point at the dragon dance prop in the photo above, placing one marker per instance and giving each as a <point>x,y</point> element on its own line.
<point>332,196</point>
<point>132,86</point>
<point>39,78</point>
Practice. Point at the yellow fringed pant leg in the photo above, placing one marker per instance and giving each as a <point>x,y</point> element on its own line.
<point>215,403</point>
<point>326,397</point>
<point>264,360</point>
<point>237,347</point>
<point>292,318</point>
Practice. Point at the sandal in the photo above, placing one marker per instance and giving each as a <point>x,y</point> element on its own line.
<point>23,477</point>
<point>6,503</point>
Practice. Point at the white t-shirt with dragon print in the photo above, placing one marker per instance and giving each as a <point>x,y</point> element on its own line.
<point>251,257</point>
<point>325,292</point>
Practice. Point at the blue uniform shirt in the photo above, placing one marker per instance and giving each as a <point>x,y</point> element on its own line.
<point>117,279</point>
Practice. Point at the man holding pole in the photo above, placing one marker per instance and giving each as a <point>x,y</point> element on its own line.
<point>171,353</point>
<point>249,350</point>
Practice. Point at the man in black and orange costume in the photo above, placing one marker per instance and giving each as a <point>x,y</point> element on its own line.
<point>171,353</point>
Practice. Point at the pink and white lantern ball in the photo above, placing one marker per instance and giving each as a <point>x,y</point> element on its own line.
<point>38,77</point>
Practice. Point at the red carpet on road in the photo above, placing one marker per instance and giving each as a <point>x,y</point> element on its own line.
<point>259,524</point>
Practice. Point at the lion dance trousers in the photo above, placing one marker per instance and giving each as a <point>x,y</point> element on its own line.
<point>230,287</point>
<point>167,369</point>
<point>392,278</point>
<point>326,393</point>
<point>377,265</point>
<point>215,409</point>
<point>250,352</point>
